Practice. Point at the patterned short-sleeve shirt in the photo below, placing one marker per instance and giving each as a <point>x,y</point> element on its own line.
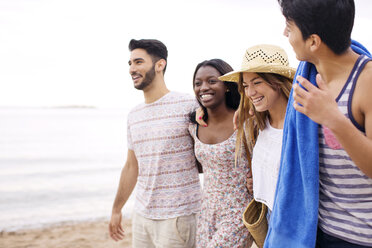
<point>168,182</point>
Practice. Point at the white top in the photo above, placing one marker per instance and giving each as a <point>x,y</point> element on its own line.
<point>265,164</point>
<point>168,181</point>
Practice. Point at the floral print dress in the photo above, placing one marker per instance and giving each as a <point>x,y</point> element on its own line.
<point>225,195</point>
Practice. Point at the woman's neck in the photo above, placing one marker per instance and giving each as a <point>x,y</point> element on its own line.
<point>277,113</point>
<point>219,114</point>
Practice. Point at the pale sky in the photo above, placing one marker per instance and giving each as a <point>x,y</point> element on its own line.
<point>75,52</point>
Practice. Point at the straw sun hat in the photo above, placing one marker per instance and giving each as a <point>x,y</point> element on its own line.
<point>264,59</point>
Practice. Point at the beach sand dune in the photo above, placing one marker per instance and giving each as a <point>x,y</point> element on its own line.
<point>79,235</point>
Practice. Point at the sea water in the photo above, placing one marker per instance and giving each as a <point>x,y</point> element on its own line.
<point>59,165</point>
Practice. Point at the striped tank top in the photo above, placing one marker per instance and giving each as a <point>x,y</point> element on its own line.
<point>345,206</point>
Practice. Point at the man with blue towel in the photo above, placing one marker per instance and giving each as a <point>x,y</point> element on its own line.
<point>324,189</point>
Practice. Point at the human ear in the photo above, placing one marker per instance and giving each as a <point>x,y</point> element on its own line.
<point>160,65</point>
<point>315,41</point>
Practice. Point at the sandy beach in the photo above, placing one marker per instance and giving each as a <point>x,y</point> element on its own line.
<point>77,235</point>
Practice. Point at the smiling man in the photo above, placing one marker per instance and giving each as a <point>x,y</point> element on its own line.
<point>160,158</point>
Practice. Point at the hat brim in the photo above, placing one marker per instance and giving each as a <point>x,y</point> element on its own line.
<point>285,71</point>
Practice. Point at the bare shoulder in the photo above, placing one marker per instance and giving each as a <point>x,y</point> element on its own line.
<point>363,89</point>
<point>365,77</point>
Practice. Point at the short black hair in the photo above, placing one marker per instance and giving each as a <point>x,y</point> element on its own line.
<point>155,48</point>
<point>332,20</point>
<point>232,95</point>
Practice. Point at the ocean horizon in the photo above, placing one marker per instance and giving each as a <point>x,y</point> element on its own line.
<point>60,165</point>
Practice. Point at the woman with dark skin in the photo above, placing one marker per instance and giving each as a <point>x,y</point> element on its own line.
<point>225,195</point>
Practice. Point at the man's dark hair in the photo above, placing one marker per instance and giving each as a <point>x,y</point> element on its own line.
<point>155,48</point>
<point>232,95</point>
<point>332,20</point>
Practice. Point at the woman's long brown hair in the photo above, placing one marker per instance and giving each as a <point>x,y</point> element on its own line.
<point>250,122</point>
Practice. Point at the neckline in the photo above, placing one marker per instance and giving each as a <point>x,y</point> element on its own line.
<point>350,77</point>
<point>268,125</point>
<point>218,143</point>
<point>159,100</point>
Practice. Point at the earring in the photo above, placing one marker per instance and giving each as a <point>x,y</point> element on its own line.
<point>227,90</point>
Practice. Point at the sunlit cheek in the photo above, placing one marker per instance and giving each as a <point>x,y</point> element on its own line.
<point>291,42</point>
<point>196,90</point>
<point>246,91</point>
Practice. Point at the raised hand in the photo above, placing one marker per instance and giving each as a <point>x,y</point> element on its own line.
<point>316,103</point>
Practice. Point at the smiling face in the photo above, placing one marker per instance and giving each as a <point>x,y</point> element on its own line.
<point>209,90</point>
<point>141,68</point>
<point>259,92</point>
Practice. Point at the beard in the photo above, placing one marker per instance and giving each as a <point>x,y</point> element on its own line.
<point>147,80</point>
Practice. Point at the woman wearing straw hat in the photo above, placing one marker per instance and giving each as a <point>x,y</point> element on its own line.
<point>225,195</point>
<point>264,85</point>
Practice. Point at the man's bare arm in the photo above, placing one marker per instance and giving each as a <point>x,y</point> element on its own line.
<point>128,180</point>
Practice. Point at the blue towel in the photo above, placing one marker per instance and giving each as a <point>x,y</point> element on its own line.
<point>294,220</point>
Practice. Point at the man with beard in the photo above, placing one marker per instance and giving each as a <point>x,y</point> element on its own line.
<point>160,158</point>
